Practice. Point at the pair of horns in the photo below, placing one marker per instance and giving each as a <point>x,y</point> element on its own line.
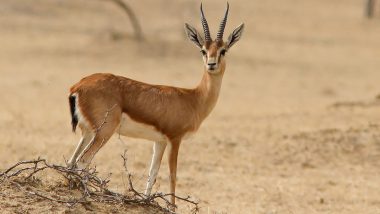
<point>219,35</point>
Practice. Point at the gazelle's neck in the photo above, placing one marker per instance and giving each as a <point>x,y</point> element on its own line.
<point>209,88</point>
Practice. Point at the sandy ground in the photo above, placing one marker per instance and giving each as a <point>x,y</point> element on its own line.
<point>297,125</point>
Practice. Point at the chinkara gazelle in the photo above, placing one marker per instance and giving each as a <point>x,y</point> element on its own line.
<point>102,104</point>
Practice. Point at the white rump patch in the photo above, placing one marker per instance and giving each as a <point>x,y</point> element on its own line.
<point>130,128</point>
<point>82,122</point>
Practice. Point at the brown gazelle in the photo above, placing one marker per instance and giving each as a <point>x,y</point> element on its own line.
<point>102,104</point>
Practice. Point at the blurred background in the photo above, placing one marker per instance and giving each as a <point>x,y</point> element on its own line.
<point>297,125</point>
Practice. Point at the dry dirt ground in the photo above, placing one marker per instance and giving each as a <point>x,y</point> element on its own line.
<point>296,128</point>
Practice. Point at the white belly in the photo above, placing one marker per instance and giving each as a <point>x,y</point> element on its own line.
<point>131,128</point>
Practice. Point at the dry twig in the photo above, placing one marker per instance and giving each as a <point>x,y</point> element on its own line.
<point>92,187</point>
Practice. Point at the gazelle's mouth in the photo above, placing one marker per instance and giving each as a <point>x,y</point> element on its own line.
<point>213,70</point>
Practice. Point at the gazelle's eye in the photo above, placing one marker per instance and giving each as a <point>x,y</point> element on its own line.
<point>223,52</point>
<point>203,52</point>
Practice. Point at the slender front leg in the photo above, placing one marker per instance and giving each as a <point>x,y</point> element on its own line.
<point>158,151</point>
<point>172,156</point>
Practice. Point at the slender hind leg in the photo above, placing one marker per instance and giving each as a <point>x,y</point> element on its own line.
<point>101,136</point>
<point>158,151</point>
<point>87,136</point>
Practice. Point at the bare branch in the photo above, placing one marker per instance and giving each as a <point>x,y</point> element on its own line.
<point>92,187</point>
<point>134,21</point>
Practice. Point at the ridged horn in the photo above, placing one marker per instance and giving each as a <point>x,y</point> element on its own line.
<point>205,26</point>
<point>219,36</point>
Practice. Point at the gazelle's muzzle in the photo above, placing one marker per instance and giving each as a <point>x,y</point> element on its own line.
<point>211,64</point>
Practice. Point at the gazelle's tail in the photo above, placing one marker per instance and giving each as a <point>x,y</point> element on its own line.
<point>74,118</point>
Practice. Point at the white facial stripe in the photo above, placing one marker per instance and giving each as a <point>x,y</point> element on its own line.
<point>211,60</point>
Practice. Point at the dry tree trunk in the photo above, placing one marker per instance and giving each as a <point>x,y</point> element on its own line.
<point>369,8</point>
<point>134,21</point>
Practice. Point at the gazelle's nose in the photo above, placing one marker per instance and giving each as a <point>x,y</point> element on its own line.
<point>211,63</point>
<point>211,66</point>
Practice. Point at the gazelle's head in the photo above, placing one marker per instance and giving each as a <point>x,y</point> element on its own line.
<point>213,51</point>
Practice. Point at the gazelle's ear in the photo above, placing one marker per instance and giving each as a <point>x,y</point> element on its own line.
<point>235,35</point>
<point>193,35</point>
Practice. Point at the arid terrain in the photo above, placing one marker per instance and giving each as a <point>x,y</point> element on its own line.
<point>296,129</point>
